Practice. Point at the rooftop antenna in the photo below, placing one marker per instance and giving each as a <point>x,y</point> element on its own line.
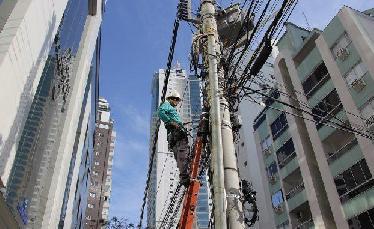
<point>306,21</point>
<point>178,65</point>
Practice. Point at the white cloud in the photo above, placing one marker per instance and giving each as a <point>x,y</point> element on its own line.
<point>135,119</point>
<point>129,174</point>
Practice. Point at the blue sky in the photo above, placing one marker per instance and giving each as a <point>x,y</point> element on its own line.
<point>136,39</point>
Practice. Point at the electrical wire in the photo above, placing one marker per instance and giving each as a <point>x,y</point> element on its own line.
<point>158,123</point>
<point>268,86</point>
<point>324,122</point>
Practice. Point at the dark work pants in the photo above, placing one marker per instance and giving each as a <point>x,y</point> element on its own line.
<point>178,144</point>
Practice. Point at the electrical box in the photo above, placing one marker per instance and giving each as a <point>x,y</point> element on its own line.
<point>231,23</point>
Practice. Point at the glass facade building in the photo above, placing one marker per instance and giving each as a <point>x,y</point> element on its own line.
<point>84,164</point>
<point>164,177</point>
<point>38,152</point>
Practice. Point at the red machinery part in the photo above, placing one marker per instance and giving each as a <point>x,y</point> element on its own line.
<point>190,200</point>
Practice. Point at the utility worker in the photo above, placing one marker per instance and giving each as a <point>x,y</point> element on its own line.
<point>176,133</point>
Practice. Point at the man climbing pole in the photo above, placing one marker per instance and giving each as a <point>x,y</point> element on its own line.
<point>176,134</point>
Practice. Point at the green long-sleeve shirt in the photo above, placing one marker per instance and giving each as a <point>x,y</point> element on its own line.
<point>168,113</point>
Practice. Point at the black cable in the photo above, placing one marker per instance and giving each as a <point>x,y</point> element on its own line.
<point>158,123</point>
<point>266,37</point>
<point>263,83</point>
<point>324,122</point>
<point>251,37</point>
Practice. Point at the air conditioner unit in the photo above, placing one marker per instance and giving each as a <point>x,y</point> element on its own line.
<point>267,152</point>
<point>342,54</point>
<point>358,84</point>
<point>370,124</point>
<point>272,179</point>
<point>278,209</point>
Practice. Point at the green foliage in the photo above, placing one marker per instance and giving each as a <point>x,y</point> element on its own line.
<point>119,223</point>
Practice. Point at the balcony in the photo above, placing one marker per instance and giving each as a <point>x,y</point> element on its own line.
<point>309,93</point>
<point>341,151</point>
<point>294,189</point>
<point>301,217</point>
<point>357,191</point>
<point>298,188</point>
<point>330,115</point>
<point>289,168</point>
<point>344,149</point>
<point>306,224</point>
<point>284,161</point>
<point>325,131</point>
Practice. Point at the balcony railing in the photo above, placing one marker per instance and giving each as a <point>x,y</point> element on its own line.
<point>286,160</point>
<point>331,114</point>
<point>334,156</point>
<point>306,224</point>
<point>298,188</point>
<point>311,92</point>
<point>357,190</point>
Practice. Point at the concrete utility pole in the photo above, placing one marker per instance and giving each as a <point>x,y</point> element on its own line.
<point>209,28</point>
<point>234,210</point>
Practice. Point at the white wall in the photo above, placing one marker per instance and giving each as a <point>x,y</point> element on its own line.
<point>254,171</point>
<point>24,45</point>
<point>81,69</point>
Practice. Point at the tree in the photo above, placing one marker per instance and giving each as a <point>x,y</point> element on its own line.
<point>119,223</point>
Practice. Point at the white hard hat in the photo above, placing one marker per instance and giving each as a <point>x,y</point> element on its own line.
<point>174,94</point>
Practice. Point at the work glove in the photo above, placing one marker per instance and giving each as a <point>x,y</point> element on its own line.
<point>174,124</point>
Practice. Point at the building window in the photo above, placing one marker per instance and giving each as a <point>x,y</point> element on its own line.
<point>286,153</point>
<point>90,205</point>
<point>279,126</point>
<point>92,194</point>
<point>326,109</point>
<point>364,220</point>
<point>367,112</point>
<point>340,47</point>
<point>354,181</point>
<point>266,143</point>
<point>259,121</point>
<point>272,169</point>
<point>316,80</point>
<point>273,95</point>
<point>354,76</point>
<point>277,199</point>
<point>284,225</point>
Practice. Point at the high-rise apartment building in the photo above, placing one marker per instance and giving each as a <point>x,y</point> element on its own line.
<point>249,161</point>
<point>49,78</point>
<point>76,191</point>
<point>97,211</point>
<point>318,155</point>
<point>202,210</point>
<point>164,177</point>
